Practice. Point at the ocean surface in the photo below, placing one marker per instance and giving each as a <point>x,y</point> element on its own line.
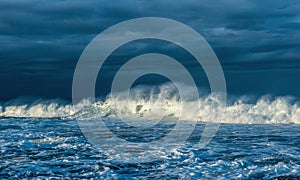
<point>255,140</point>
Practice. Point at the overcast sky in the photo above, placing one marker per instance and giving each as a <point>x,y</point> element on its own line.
<point>257,42</point>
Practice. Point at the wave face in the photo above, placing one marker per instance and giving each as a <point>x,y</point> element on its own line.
<point>159,102</point>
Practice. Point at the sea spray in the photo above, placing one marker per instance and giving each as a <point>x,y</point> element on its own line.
<point>159,103</point>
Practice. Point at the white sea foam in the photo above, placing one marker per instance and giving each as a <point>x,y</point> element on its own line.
<point>159,104</point>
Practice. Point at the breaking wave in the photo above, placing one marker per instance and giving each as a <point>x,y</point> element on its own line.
<point>146,103</point>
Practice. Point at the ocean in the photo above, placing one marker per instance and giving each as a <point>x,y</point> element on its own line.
<point>149,89</point>
<point>46,139</point>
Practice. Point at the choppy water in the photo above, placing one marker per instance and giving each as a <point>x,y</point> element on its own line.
<point>36,147</point>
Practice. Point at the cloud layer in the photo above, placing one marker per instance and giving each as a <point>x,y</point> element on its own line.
<point>41,41</point>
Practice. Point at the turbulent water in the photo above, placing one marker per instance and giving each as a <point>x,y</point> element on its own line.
<point>265,110</point>
<point>57,148</point>
<point>42,138</point>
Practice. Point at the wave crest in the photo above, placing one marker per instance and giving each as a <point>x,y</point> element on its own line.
<point>158,104</point>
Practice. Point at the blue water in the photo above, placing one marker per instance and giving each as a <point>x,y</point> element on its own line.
<point>46,148</point>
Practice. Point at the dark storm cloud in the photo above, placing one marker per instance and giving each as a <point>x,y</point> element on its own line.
<point>60,17</point>
<point>40,38</point>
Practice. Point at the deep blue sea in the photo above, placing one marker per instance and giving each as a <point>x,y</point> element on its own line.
<point>149,89</point>
<point>255,140</point>
<point>56,148</point>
